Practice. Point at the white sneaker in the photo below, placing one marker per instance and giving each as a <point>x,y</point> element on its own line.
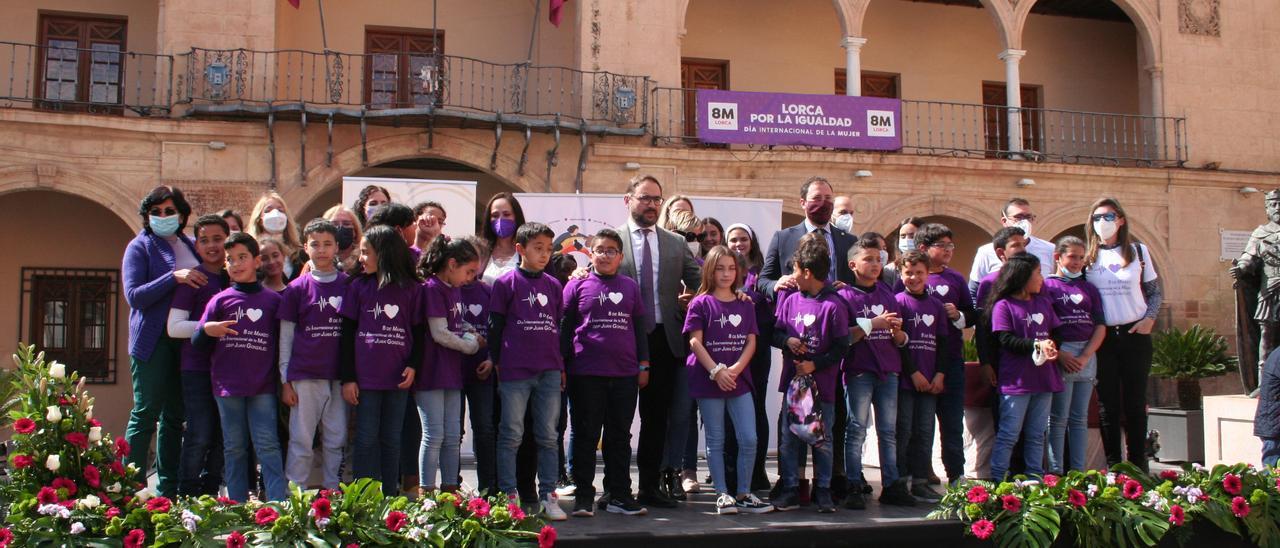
<point>726,504</point>
<point>551,508</point>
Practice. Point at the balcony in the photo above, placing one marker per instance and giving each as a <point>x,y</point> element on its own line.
<point>100,80</point>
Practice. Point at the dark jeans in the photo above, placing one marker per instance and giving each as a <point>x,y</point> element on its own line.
<point>950,413</point>
<point>608,404</point>
<point>410,442</point>
<point>655,408</point>
<point>1124,362</point>
<point>201,468</point>
<point>482,404</point>
<point>379,429</point>
<point>157,411</point>
<point>915,433</point>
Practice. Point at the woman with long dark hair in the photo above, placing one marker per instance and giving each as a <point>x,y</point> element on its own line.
<point>503,215</point>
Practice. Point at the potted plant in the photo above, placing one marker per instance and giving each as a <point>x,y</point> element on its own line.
<point>1186,356</point>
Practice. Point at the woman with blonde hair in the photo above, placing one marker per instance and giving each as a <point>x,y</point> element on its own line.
<point>673,204</point>
<point>271,218</point>
<point>349,234</point>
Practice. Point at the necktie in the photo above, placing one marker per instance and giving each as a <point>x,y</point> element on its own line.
<point>646,282</point>
<point>831,252</point>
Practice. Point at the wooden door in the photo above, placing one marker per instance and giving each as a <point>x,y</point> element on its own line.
<point>394,62</point>
<point>698,74</point>
<point>996,118</point>
<point>874,84</point>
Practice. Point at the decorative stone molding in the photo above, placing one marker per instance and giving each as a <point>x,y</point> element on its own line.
<point>1199,17</point>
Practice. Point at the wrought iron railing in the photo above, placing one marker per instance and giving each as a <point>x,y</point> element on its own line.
<point>968,130</point>
<point>97,79</point>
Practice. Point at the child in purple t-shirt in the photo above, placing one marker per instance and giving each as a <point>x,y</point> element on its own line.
<point>604,350</point>
<point>1022,322</point>
<point>923,319</point>
<point>524,328</point>
<point>241,327</point>
<point>310,328</point>
<point>447,265</point>
<point>812,330</point>
<point>981,419</point>
<point>200,470</point>
<point>479,383</point>
<point>1079,305</point>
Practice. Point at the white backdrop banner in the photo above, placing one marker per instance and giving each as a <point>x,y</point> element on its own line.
<point>457,197</point>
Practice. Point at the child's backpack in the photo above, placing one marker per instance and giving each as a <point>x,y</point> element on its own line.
<point>804,415</point>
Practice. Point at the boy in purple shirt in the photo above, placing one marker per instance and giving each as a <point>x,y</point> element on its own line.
<point>1079,305</point>
<point>310,328</point>
<point>812,330</point>
<point>524,325</point>
<point>871,374</point>
<point>923,321</point>
<point>240,325</point>
<point>604,351</point>
<point>200,471</point>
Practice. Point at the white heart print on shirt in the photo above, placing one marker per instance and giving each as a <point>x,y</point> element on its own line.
<point>1076,298</point>
<point>942,290</point>
<point>1038,318</point>
<point>808,319</point>
<point>542,299</point>
<point>254,314</point>
<point>615,296</point>
<point>877,310</point>
<point>391,310</point>
<point>927,319</point>
<point>335,302</point>
<point>735,319</point>
<point>475,309</point>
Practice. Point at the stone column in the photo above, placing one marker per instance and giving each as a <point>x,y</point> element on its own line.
<point>1013,96</point>
<point>853,64</point>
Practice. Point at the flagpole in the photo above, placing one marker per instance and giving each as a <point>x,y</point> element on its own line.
<point>324,36</point>
<point>533,33</point>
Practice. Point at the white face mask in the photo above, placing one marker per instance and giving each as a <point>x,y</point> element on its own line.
<point>906,244</point>
<point>844,222</point>
<point>1105,229</point>
<point>275,221</point>
<point>884,257</point>
<point>695,248</point>
<point>1025,225</point>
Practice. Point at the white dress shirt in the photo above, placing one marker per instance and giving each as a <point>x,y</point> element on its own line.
<point>637,247</point>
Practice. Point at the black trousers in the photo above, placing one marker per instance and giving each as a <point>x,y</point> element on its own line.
<point>1124,363</point>
<point>655,406</point>
<point>759,367</point>
<point>608,404</point>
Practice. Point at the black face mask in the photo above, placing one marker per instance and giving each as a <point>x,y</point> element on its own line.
<point>346,237</point>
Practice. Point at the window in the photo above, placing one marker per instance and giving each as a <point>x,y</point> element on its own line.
<point>874,84</point>
<point>996,118</point>
<point>70,314</point>
<point>395,62</point>
<point>81,63</point>
<point>698,74</point>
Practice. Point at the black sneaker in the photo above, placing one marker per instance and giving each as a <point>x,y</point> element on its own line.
<point>674,485</point>
<point>823,498</point>
<point>897,494</point>
<point>934,479</point>
<point>584,507</point>
<point>776,491</point>
<point>656,500</point>
<point>786,500</point>
<point>866,488</point>
<point>750,504</point>
<point>626,506</point>
<point>855,500</point>
<point>923,492</point>
<point>603,500</point>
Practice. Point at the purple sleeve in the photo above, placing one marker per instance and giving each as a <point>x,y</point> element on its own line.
<point>289,303</point>
<point>966,299</point>
<point>184,298</point>
<point>434,301</point>
<point>557,293</point>
<point>1095,296</point>
<point>749,316</point>
<point>695,318</point>
<point>841,319</point>
<point>1051,315</point>
<point>351,301</point>
<point>210,313</point>
<point>418,304</point>
<point>500,297</point>
<point>780,316</point>
<point>1001,319</point>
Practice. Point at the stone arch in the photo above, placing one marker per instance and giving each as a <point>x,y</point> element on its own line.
<point>887,215</point>
<point>853,13</point>
<point>1140,12</point>
<point>109,194</point>
<point>848,12</point>
<point>1140,229</point>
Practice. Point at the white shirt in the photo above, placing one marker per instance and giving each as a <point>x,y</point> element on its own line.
<point>183,258</point>
<point>637,247</point>
<point>986,262</point>
<point>831,246</point>
<point>1122,300</point>
<point>497,267</point>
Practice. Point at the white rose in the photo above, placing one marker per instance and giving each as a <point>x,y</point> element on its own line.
<point>53,414</point>
<point>77,528</point>
<point>95,434</point>
<point>143,494</point>
<point>90,502</point>
<point>114,488</point>
<point>53,463</point>
<point>58,370</point>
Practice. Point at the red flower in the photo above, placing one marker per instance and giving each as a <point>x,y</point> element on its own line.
<point>1169,475</point>
<point>67,401</point>
<point>1176,515</point>
<point>116,467</point>
<point>978,494</point>
<point>159,504</point>
<point>6,536</point>
<point>226,501</point>
<point>266,516</point>
<point>95,422</point>
<point>479,507</point>
<point>64,483</point>
<point>1011,503</point>
<point>1239,507</point>
<point>24,426</point>
<point>92,476</point>
<point>1050,480</point>
<point>1231,484</point>
<point>135,539</point>
<point>1277,484</point>
<point>547,537</point>
<point>122,448</point>
<point>516,512</point>
<point>78,439</point>
<point>112,512</point>
<point>324,494</point>
<point>22,461</point>
<point>1132,490</point>
<point>983,529</point>
<point>236,540</point>
<point>396,520</point>
<point>47,495</point>
<point>321,508</point>
<point>1076,498</point>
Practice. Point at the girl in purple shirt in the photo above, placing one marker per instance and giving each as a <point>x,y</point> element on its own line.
<point>1079,306</point>
<point>479,383</point>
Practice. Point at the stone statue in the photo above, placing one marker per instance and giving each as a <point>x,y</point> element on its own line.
<point>1257,275</point>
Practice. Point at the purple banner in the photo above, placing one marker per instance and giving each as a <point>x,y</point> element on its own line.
<point>834,121</point>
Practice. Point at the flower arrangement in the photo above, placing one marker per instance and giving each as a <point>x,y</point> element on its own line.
<point>1121,506</point>
<point>68,486</point>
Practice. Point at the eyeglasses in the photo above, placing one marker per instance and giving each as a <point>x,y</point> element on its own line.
<point>944,246</point>
<point>651,200</point>
<point>1024,217</point>
<point>607,253</point>
<point>166,212</point>
<point>692,236</point>
<point>1109,216</point>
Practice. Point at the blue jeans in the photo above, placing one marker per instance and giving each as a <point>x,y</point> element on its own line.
<point>862,392</point>
<point>950,413</point>
<point>242,418</point>
<point>440,413</point>
<point>915,433</point>
<point>741,410</point>
<point>201,470</point>
<point>376,452</point>
<point>682,418</point>
<point>540,397</point>
<point>1270,451</point>
<point>1026,415</point>
<point>791,451</point>
<point>481,399</point>
<point>1069,415</point>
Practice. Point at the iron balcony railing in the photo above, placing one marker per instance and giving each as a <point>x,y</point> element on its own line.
<point>98,79</point>
<point>981,131</point>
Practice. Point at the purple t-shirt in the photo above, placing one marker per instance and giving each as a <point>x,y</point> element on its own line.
<point>924,320</point>
<point>984,289</point>
<point>876,352</point>
<point>244,364</point>
<point>475,311</point>
<point>385,319</point>
<point>725,327</point>
<point>314,306</point>
<point>764,307</point>
<point>819,321</point>
<point>441,367</point>
<point>531,336</point>
<point>1030,319</point>
<point>951,287</point>
<point>1078,305</point>
<point>193,301</point>
<point>608,309</point>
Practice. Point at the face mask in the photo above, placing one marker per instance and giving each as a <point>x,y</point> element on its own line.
<point>503,228</point>
<point>1025,225</point>
<point>1071,275</point>
<point>819,213</point>
<point>346,237</point>
<point>884,257</point>
<point>275,221</point>
<point>164,226</point>
<point>844,222</point>
<point>1105,229</point>
<point>369,211</point>
<point>906,244</point>
<point>695,248</point>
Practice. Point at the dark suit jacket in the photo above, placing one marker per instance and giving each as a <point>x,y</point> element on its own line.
<point>1266,420</point>
<point>777,263</point>
<point>675,264</point>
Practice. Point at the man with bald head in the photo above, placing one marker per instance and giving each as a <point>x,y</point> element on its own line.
<point>842,216</point>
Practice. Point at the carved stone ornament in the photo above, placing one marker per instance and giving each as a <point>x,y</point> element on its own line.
<point>1199,17</point>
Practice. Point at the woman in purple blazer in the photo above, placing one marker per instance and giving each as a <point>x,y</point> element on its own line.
<point>159,259</point>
